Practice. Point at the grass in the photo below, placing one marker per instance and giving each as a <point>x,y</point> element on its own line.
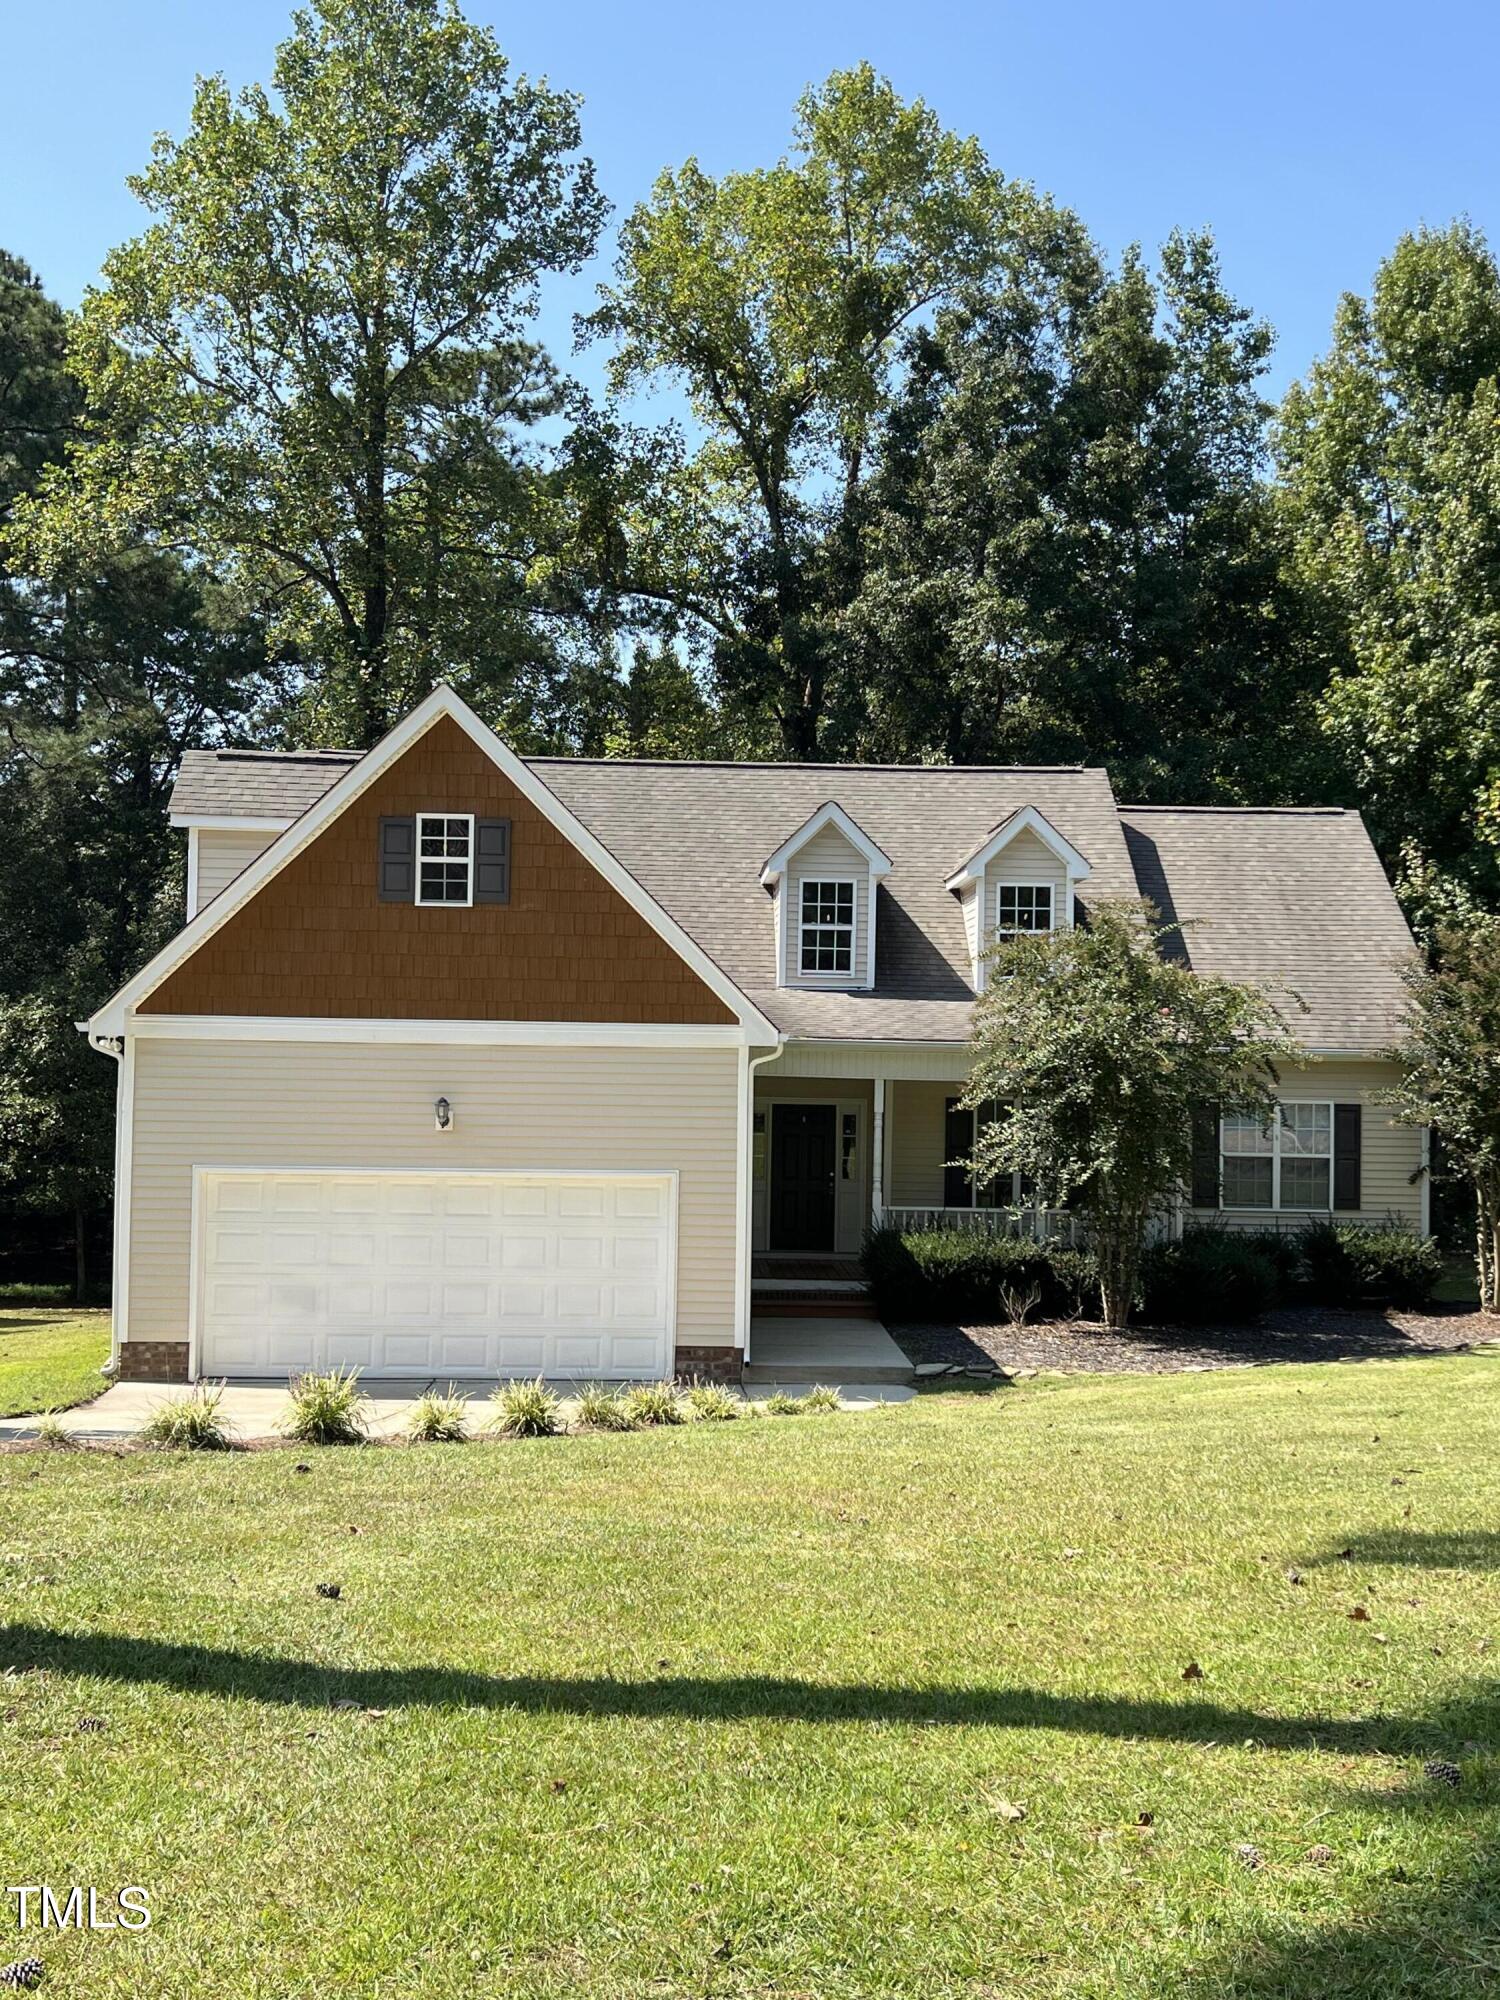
<point>50,1357</point>
<point>893,1706</point>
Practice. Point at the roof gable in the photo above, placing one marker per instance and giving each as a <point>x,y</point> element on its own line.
<point>1025,819</point>
<point>600,947</point>
<point>830,813</point>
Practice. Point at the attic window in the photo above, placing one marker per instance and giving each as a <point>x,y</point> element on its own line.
<point>827,928</point>
<point>445,858</point>
<point>1022,906</point>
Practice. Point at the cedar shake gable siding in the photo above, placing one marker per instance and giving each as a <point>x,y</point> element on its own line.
<point>316,940</point>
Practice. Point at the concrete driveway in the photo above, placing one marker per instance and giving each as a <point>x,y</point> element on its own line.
<point>253,1410</point>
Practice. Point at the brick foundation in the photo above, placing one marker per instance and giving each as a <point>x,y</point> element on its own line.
<point>153,1361</point>
<point>709,1364</point>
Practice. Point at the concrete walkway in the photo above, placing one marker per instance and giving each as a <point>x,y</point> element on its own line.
<point>252,1411</point>
<point>787,1350</point>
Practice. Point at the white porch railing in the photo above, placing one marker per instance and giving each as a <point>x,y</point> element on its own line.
<point>1036,1225</point>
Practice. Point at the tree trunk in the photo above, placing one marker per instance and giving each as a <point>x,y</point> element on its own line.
<point>80,1257</point>
<point>1117,1246</point>
<point>1487,1241</point>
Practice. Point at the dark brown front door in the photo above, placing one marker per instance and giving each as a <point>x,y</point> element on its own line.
<point>803,1144</point>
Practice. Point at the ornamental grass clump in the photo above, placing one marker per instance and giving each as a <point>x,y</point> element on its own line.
<point>50,1432</point>
<point>526,1410</point>
<point>821,1400</point>
<point>439,1419</point>
<point>780,1404</point>
<point>602,1409</point>
<point>326,1409</point>
<point>654,1403</point>
<point>190,1422</point>
<point>711,1403</point>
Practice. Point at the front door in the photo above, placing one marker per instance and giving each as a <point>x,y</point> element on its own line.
<point>803,1147</point>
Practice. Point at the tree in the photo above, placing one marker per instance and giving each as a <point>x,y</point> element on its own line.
<point>306,374</point>
<point>1391,490</point>
<point>1098,1045</point>
<point>1072,551</point>
<point>109,666</point>
<point>1450,1071</point>
<point>777,297</point>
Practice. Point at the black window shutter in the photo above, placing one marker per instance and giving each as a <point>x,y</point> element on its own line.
<point>492,861</point>
<point>1205,1156</point>
<point>1348,1125</point>
<point>398,859</point>
<point>958,1143</point>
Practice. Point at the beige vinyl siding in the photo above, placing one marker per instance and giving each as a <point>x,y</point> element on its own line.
<point>1389,1153</point>
<point>351,1105</point>
<point>222,856</point>
<point>914,1117</point>
<point>828,857</point>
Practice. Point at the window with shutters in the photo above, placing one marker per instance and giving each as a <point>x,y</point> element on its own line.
<point>1287,1163</point>
<point>445,858</point>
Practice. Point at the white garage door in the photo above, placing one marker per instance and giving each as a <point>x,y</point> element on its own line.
<point>450,1274</point>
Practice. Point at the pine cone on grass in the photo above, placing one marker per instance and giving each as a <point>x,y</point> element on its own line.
<point>21,1974</point>
<point>1438,1771</point>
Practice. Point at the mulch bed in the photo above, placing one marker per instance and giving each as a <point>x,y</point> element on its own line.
<point>1298,1333</point>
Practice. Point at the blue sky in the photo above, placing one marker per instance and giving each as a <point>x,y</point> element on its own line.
<point>1307,135</point>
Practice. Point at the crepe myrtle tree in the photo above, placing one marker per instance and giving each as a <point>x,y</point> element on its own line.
<point>1450,1070</point>
<point>1099,1044</point>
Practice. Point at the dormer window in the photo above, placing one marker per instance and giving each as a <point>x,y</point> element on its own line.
<point>445,858</point>
<point>826,930</point>
<point>1022,907</point>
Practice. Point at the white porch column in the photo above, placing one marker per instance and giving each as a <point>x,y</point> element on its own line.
<point>877,1156</point>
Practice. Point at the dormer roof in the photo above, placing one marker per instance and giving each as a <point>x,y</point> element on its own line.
<point>1025,819</point>
<point>830,813</point>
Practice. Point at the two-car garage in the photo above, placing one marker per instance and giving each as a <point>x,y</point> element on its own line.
<point>463,1274</point>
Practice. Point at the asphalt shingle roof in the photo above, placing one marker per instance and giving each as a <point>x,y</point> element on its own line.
<point>1293,899</point>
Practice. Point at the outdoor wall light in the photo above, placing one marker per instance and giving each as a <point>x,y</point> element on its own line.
<point>442,1113</point>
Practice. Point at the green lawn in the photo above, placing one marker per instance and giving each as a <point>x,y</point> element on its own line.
<point>50,1357</point>
<point>748,1710</point>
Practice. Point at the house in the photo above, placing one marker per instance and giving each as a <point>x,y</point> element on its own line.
<point>468,1065</point>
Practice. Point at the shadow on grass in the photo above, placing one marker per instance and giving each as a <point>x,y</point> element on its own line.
<point>311,1684</point>
<point>1459,1548</point>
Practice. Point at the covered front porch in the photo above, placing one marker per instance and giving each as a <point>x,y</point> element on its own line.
<point>847,1137</point>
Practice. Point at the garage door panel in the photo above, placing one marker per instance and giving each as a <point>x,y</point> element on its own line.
<point>464,1274</point>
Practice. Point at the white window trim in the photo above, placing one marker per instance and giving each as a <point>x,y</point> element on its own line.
<point>443,902</point>
<point>1276,1156</point>
<point>851,883</point>
<point>1002,930</point>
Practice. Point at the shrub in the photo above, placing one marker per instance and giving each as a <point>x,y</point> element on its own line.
<point>439,1419</point>
<point>712,1403</point>
<point>23,1294</point>
<point>653,1403</point>
<point>1282,1250</point>
<point>190,1422</point>
<point>526,1410</point>
<point>1354,1263</point>
<point>962,1274</point>
<point>601,1409</point>
<point>1210,1276</point>
<point>820,1400</point>
<point>780,1404</point>
<point>326,1409</point>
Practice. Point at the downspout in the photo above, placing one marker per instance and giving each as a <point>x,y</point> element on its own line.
<point>747,1196</point>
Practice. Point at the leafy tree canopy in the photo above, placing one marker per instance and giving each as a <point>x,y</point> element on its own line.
<point>307,374</point>
<point>1391,490</point>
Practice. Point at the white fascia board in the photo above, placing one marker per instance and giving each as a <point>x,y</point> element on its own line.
<point>1025,820</point>
<point>830,813</point>
<point>233,822</point>
<point>493,1034</point>
<point>443,700</point>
